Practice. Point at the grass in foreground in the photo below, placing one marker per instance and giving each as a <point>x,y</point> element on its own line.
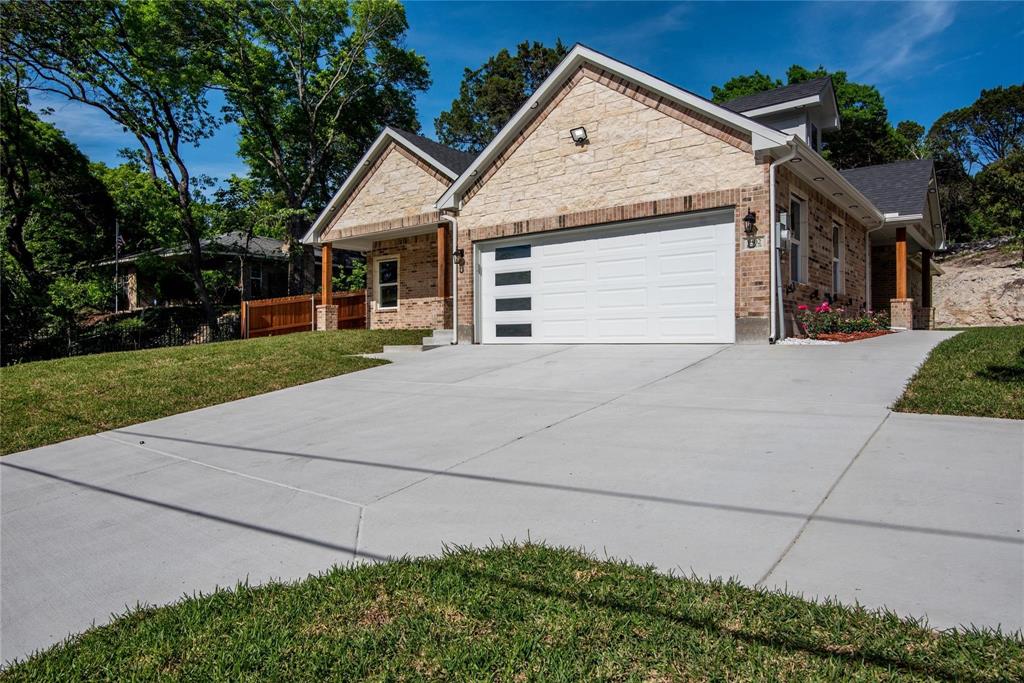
<point>50,401</point>
<point>978,372</point>
<point>512,614</point>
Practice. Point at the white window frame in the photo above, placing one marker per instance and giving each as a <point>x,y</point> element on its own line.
<point>838,270</point>
<point>377,282</point>
<point>802,243</point>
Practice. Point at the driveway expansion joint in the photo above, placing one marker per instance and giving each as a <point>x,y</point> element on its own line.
<point>821,503</point>
<point>225,470</point>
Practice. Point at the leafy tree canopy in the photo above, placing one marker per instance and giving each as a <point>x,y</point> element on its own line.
<point>491,95</point>
<point>741,86</point>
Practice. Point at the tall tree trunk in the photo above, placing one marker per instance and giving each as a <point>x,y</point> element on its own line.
<point>301,261</point>
<point>196,265</point>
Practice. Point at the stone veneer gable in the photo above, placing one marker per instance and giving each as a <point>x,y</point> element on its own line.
<point>641,148</point>
<point>398,190</point>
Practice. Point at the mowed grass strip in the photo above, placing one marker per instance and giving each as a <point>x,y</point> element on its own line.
<point>50,401</point>
<point>517,613</point>
<point>979,372</point>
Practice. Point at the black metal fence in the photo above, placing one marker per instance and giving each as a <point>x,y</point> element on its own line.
<point>147,330</point>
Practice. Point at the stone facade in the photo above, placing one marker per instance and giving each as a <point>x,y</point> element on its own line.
<point>326,318</point>
<point>645,158</point>
<point>821,213</point>
<point>901,313</point>
<point>399,190</point>
<point>418,303</point>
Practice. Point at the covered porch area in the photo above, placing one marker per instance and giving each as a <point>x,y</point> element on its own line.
<point>902,268</point>
<point>408,274</point>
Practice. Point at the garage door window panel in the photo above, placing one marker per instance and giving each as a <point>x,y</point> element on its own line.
<point>517,277</point>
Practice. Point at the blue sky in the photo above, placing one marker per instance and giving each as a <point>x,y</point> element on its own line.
<point>926,58</point>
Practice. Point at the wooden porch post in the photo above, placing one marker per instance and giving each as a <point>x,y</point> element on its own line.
<point>901,263</point>
<point>442,261</point>
<point>926,278</point>
<point>326,271</point>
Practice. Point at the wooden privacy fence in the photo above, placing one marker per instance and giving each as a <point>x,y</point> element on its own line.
<point>287,314</point>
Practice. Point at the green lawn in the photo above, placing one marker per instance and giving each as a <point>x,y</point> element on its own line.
<point>978,372</point>
<point>517,613</point>
<point>50,401</point>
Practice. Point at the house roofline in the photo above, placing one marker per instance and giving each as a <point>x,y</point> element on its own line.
<point>762,136</point>
<point>359,171</point>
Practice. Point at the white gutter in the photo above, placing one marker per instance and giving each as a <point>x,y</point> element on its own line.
<point>454,222</point>
<point>774,279</point>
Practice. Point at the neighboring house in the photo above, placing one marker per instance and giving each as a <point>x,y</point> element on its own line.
<point>616,207</point>
<point>256,267</point>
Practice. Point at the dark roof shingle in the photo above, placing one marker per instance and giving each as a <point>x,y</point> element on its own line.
<point>786,93</point>
<point>453,159</point>
<point>900,187</point>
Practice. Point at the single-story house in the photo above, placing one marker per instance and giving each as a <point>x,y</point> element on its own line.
<point>255,268</point>
<point>617,207</point>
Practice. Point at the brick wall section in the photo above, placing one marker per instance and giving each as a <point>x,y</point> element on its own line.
<point>822,211</point>
<point>398,191</point>
<point>418,303</point>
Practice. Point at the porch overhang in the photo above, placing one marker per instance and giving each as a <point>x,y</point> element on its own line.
<point>356,239</point>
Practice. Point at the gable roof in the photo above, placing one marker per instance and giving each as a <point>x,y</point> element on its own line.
<point>450,162</point>
<point>453,159</point>
<point>900,187</point>
<point>786,93</point>
<point>762,136</point>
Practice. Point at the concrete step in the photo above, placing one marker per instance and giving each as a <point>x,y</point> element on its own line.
<point>403,348</point>
<point>438,338</point>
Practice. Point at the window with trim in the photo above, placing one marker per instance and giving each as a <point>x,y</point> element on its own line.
<point>387,284</point>
<point>815,141</point>
<point>797,240</point>
<point>837,259</point>
<point>256,280</point>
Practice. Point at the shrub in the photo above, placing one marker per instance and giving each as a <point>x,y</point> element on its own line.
<point>824,319</point>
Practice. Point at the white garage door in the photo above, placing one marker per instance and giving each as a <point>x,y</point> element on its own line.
<point>658,281</point>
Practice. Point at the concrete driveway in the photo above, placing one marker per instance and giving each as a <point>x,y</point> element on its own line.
<point>778,465</point>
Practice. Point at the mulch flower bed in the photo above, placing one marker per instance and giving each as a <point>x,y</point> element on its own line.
<point>852,336</point>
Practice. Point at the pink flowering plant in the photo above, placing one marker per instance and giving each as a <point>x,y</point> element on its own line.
<point>827,319</point>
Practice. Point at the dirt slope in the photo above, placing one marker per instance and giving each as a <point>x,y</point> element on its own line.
<point>983,287</point>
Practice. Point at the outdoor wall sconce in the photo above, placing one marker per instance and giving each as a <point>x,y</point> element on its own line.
<point>459,256</point>
<point>579,136</point>
<point>750,228</point>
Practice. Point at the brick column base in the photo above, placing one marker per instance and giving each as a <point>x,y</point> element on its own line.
<point>326,318</point>
<point>901,314</point>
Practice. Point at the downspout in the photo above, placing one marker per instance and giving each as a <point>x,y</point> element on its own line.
<point>453,221</point>
<point>778,326</point>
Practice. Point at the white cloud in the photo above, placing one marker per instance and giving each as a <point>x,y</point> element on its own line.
<point>647,29</point>
<point>901,45</point>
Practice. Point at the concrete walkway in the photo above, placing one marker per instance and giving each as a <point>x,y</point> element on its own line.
<point>778,465</point>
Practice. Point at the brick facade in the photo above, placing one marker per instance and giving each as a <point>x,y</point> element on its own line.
<point>822,211</point>
<point>326,318</point>
<point>418,303</point>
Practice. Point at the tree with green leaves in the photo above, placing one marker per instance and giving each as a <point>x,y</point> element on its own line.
<point>146,64</point>
<point>866,136</point>
<point>310,85</point>
<point>1000,197</point>
<point>56,213</point>
<point>741,86</point>
<point>965,143</point>
<point>491,95</point>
